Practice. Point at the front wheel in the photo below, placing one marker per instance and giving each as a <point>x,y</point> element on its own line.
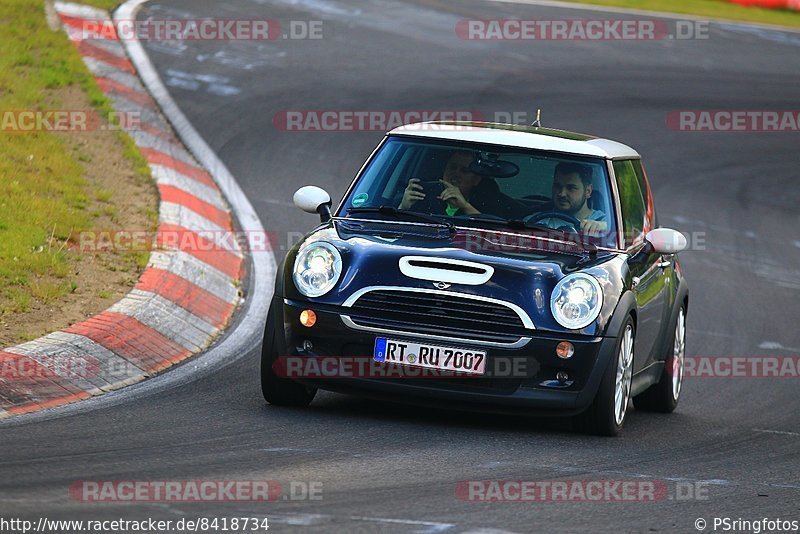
<point>664,396</point>
<point>606,415</point>
<point>276,390</point>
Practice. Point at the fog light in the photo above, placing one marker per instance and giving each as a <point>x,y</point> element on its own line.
<point>561,376</point>
<point>565,350</point>
<point>308,346</point>
<point>308,318</point>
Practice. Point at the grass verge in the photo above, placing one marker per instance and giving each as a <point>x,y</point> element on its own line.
<point>715,9</point>
<point>46,195</point>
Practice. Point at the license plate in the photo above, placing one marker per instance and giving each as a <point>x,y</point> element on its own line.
<point>461,360</point>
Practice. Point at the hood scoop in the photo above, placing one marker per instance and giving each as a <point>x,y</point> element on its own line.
<point>445,270</point>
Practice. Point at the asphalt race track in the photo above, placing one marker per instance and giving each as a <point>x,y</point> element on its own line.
<point>394,468</point>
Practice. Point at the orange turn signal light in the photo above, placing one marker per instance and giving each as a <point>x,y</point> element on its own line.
<point>565,350</point>
<point>308,318</point>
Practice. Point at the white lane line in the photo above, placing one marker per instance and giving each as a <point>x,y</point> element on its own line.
<point>713,481</point>
<point>497,464</point>
<point>781,432</point>
<point>481,530</point>
<point>289,449</point>
<point>767,34</point>
<point>300,520</point>
<point>307,520</point>
<point>277,202</point>
<point>710,482</point>
<point>432,525</point>
<point>708,332</point>
<point>775,345</point>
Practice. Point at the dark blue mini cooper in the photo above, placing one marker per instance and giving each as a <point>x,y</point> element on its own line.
<point>485,267</point>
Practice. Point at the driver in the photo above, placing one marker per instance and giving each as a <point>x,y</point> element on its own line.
<point>572,188</point>
<point>463,192</point>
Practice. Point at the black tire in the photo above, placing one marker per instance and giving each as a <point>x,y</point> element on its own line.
<point>601,417</point>
<point>276,390</point>
<point>665,394</point>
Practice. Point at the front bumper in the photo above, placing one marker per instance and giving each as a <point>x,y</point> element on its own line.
<point>517,380</point>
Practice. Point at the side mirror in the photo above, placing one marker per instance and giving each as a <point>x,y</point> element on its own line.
<point>313,199</point>
<point>666,240</point>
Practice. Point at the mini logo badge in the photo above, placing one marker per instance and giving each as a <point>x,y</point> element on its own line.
<point>441,285</point>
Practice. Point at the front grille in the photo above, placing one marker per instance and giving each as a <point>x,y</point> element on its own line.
<point>438,314</point>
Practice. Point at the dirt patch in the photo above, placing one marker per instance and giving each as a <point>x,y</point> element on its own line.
<point>120,197</point>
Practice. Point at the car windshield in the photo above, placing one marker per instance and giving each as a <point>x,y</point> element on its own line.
<point>469,184</point>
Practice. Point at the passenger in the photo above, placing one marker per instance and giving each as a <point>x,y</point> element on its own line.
<point>463,192</point>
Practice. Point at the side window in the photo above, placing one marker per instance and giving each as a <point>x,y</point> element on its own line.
<point>631,201</point>
<point>401,171</point>
<point>371,182</point>
<point>650,211</point>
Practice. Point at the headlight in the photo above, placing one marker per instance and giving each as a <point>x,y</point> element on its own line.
<point>576,301</point>
<point>317,269</point>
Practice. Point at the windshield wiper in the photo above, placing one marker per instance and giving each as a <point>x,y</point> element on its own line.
<point>516,224</point>
<point>519,224</point>
<point>397,212</point>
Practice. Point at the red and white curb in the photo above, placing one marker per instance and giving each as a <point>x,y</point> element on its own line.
<point>183,299</point>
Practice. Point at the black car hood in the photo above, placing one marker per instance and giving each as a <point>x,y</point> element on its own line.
<point>525,272</point>
<point>488,245</point>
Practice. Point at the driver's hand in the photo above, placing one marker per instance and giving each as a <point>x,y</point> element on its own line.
<point>412,194</point>
<point>455,198</point>
<point>593,228</point>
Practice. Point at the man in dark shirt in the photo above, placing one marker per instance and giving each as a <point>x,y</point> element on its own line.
<point>572,188</point>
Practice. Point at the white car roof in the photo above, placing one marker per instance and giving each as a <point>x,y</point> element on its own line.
<point>519,136</point>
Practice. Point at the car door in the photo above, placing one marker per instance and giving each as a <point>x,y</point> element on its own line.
<point>649,279</point>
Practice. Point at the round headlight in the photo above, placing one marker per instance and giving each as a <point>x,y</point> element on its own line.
<point>576,301</point>
<point>317,269</point>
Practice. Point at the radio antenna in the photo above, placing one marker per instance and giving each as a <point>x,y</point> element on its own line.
<point>538,122</point>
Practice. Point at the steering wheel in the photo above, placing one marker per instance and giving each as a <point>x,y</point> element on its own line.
<point>536,217</point>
